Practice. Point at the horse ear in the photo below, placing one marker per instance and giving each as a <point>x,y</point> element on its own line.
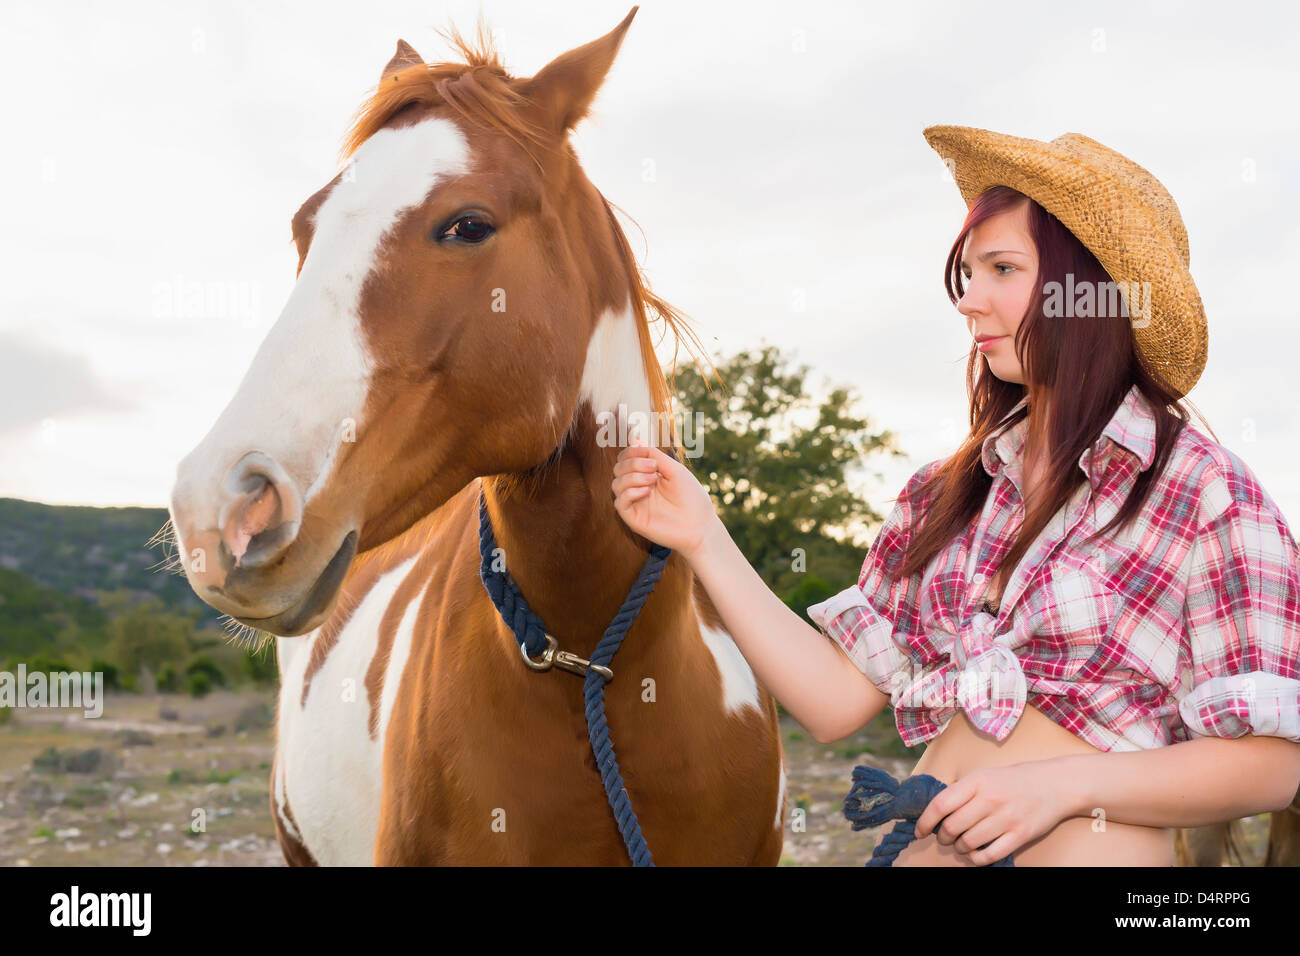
<point>404,57</point>
<point>564,89</point>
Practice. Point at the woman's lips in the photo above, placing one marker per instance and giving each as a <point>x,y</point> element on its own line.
<point>988,343</point>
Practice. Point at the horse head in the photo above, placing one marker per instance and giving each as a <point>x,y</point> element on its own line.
<point>462,292</point>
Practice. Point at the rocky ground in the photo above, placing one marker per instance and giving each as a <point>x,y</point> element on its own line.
<point>167,780</point>
<point>158,780</point>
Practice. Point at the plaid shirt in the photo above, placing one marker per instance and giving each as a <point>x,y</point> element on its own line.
<point>1185,624</point>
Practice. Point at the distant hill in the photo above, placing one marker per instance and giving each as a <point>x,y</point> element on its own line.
<point>35,620</point>
<point>81,588</point>
<point>81,551</point>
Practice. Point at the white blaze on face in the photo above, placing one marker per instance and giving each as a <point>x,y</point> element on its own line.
<point>309,380</point>
<point>615,373</point>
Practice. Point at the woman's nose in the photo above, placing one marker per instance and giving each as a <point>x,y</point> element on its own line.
<point>972,302</point>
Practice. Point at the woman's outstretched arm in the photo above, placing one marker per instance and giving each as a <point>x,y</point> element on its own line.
<point>1187,784</point>
<point>815,681</point>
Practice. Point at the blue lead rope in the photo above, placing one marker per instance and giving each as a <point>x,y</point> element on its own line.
<point>876,798</point>
<point>530,631</point>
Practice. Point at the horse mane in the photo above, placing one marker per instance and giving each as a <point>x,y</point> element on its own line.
<point>481,91</point>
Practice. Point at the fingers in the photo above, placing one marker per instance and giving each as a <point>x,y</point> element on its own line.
<point>639,449</point>
<point>634,464</point>
<point>1003,846</point>
<point>629,498</point>
<point>632,480</point>
<point>635,450</point>
<point>640,453</point>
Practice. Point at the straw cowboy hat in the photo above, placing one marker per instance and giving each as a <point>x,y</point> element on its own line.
<point>1115,208</point>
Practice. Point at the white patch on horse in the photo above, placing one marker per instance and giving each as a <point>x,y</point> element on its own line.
<point>286,649</point>
<point>614,372</point>
<point>739,688</point>
<point>331,765</point>
<point>312,373</point>
<point>280,804</point>
<point>780,796</point>
<point>397,657</point>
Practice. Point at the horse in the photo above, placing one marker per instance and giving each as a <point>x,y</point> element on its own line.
<point>467,319</point>
<point>1225,843</point>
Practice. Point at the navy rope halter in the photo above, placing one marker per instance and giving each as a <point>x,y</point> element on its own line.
<point>876,798</point>
<point>534,641</point>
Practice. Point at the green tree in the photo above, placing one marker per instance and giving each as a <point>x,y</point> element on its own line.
<point>149,636</point>
<point>776,462</point>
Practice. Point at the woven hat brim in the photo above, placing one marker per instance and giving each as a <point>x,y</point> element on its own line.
<point>1112,219</point>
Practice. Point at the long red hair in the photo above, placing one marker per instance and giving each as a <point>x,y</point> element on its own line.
<point>1078,369</point>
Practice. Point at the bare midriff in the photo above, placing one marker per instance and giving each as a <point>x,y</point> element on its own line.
<point>961,748</point>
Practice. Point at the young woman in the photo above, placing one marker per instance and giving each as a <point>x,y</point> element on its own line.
<point>1087,581</point>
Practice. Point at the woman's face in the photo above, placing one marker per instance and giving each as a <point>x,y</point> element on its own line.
<point>1000,266</point>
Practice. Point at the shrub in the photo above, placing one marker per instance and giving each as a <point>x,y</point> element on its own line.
<point>169,679</point>
<point>112,678</point>
<point>198,684</point>
<point>206,666</point>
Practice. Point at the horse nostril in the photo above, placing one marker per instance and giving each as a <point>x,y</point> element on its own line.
<point>260,512</point>
<point>260,518</point>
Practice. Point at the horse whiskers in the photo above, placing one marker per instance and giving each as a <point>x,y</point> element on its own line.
<point>245,636</point>
<point>170,562</point>
<point>169,565</point>
<point>164,535</point>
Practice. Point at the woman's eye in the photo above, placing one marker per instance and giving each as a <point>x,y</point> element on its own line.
<point>1003,265</point>
<point>468,229</point>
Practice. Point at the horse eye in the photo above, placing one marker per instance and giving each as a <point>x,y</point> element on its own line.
<point>468,229</point>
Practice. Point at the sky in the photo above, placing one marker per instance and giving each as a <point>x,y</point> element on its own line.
<point>769,154</point>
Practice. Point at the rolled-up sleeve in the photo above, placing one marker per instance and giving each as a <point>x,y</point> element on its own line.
<point>860,619</point>
<point>1241,649</point>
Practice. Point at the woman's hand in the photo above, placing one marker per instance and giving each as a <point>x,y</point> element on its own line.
<point>658,498</point>
<point>1006,807</point>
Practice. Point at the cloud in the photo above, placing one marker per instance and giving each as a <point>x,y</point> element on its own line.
<point>39,382</point>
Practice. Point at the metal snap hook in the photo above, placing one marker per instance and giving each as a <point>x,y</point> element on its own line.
<point>548,656</point>
<point>564,660</point>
